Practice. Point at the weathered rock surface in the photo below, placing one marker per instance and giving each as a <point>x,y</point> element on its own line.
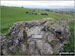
<point>35,37</point>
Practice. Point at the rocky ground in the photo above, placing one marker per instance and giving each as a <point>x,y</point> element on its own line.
<point>47,36</point>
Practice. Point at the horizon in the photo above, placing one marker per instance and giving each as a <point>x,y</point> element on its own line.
<point>39,4</point>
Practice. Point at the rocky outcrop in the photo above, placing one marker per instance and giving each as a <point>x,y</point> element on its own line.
<point>46,36</point>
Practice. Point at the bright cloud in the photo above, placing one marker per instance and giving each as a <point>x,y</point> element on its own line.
<point>37,3</point>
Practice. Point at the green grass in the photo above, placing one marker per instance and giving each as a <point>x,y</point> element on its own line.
<point>70,47</point>
<point>11,15</point>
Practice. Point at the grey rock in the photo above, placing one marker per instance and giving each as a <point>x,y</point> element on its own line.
<point>47,36</point>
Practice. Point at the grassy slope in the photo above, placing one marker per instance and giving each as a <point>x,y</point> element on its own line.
<point>10,15</point>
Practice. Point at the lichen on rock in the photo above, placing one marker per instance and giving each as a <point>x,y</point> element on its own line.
<point>35,37</point>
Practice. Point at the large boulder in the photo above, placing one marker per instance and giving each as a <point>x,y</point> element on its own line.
<point>47,36</point>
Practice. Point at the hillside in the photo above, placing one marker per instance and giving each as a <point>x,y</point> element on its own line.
<point>14,14</point>
<point>11,15</point>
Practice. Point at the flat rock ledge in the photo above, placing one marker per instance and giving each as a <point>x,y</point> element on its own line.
<point>38,37</point>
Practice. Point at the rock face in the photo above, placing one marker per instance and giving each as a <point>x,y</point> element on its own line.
<point>47,36</point>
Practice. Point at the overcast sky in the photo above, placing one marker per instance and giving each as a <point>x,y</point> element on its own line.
<point>39,4</point>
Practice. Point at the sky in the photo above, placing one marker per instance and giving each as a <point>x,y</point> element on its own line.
<point>39,4</point>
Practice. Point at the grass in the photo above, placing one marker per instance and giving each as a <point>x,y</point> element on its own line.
<point>70,47</point>
<point>11,15</point>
